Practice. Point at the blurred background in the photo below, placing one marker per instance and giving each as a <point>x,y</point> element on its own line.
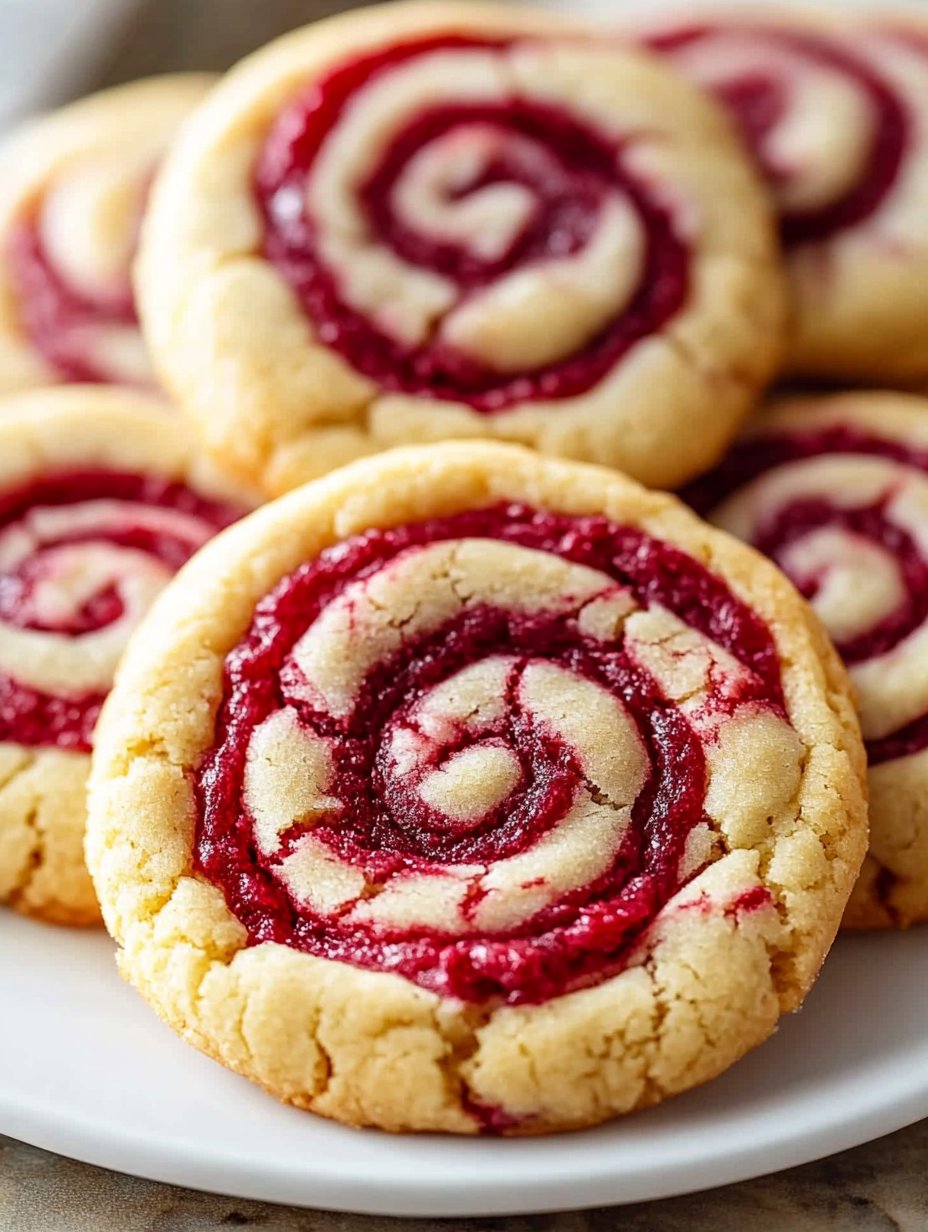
<point>52,50</point>
<point>200,34</point>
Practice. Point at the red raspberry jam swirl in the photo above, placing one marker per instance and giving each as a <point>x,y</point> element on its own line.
<point>873,522</point>
<point>63,321</point>
<point>82,552</point>
<point>395,732</point>
<point>763,101</point>
<point>569,171</point>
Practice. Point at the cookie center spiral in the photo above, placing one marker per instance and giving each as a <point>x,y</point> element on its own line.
<point>431,208</point>
<point>69,265</point>
<point>477,752</point>
<point>829,132</point>
<point>845,514</point>
<point>82,556</point>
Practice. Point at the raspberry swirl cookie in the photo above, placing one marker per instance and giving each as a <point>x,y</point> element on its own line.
<point>73,186</point>
<point>427,221</point>
<point>835,490</point>
<point>495,793</point>
<point>101,500</point>
<point>835,107</point>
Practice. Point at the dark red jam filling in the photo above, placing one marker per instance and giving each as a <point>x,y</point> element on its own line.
<point>750,459</point>
<point>567,165</point>
<point>28,716</point>
<point>587,934</point>
<point>758,101</point>
<point>56,316</point>
<point>901,743</point>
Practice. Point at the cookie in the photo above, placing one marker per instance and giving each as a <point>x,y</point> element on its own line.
<point>426,221</point>
<point>73,187</point>
<point>835,490</point>
<point>101,500</point>
<point>465,789</point>
<point>835,107</point>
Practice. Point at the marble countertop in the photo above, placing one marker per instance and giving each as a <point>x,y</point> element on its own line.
<point>881,1187</point>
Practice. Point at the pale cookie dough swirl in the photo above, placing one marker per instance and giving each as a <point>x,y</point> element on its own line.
<point>73,190</point>
<point>82,555</point>
<point>102,500</point>
<point>459,221</point>
<point>835,490</point>
<point>836,113</point>
<point>454,233</point>
<point>499,794</point>
<point>477,751</point>
<point>69,269</point>
<point>827,129</point>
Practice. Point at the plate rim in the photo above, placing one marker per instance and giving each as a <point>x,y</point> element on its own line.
<point>91,1141</point>
<point>125,1093</point>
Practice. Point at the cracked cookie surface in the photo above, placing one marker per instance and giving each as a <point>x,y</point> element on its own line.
<point>73,188</point>
<point>496,793</point>
<point>835,490</point>
<point>428,221</point>
<point>102,498</point>
<point>834,105</point>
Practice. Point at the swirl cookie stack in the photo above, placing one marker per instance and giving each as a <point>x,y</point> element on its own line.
<point>466,788</point>
<point>468,768</point>
<point>73,188</point>
<point>102,499</point>
<point>835,109</point>
<point>431,221</point>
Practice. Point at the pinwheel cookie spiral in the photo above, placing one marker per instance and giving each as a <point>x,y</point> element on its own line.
<point>101,501</point>
<point>835,490</point>
<point>430,221</point>
<point>485,765</point>
<point>834,105</point>
<point>73,187</point>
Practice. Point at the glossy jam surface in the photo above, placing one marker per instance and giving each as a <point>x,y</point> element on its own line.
<point>760,101</point>
<point>95,512</point>
<point>566,166</point>
<point>389,833</point>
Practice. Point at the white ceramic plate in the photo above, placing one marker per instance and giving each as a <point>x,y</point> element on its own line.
<point>87,1070</point>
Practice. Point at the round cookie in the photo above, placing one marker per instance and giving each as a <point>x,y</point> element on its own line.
<point>73,187</point>
<point>495,793</point>
<point>102,498</point>
<point>426,221</point>
<point>835,106</point>
<point>835,490</point>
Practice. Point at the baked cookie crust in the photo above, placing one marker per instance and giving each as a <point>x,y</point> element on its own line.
<point>834,103</point>
<point>97,507</point>
<point>835,489</point>
<point>431,1035</point>
<point>73,187</point>
<point>511,231</point>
